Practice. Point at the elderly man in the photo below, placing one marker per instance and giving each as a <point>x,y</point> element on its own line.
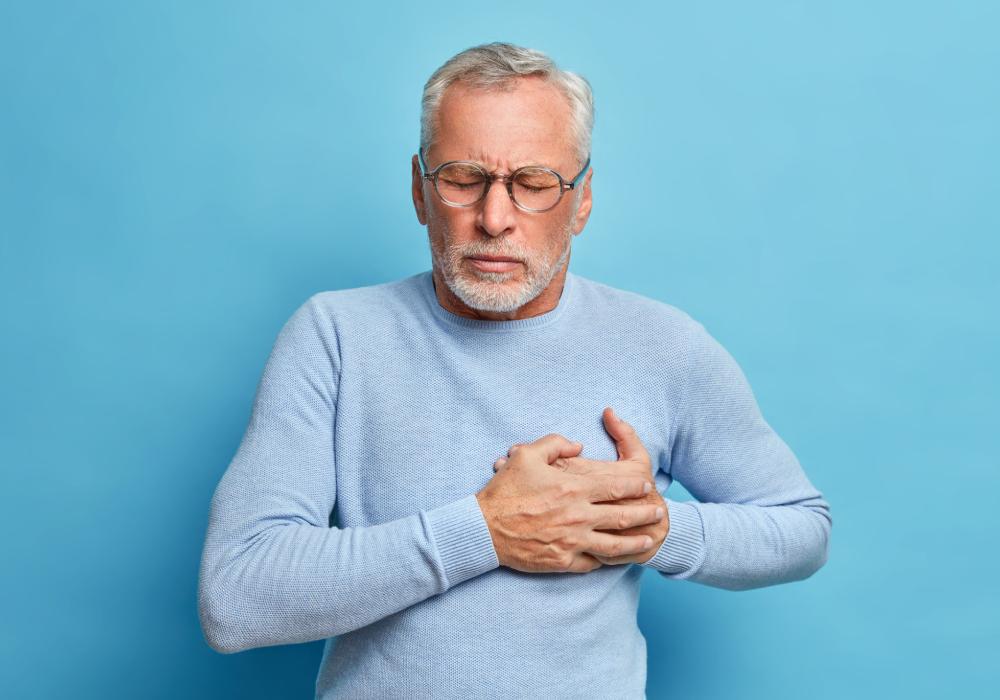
<point>494,514</point>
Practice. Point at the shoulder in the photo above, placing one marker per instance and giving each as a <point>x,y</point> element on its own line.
<point>362,300</point>
<point>313,335</point>
<point>668,336</point>
<point>365,304</point>
<point>654,320</point>
<point>353,314</point>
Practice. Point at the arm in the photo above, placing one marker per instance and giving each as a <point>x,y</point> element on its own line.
<point>272,570</point>
<point>758,521</point>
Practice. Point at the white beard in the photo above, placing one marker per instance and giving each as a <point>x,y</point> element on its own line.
<point>494,291</point>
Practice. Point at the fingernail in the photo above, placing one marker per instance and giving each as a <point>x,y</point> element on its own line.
<point>660,512</point>
<point>646,487</point>
<point>649,542</point>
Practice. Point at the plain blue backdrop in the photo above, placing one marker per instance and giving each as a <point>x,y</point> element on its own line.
<point>816,182</point>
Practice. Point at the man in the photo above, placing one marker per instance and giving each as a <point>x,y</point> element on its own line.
<point>490,504</point>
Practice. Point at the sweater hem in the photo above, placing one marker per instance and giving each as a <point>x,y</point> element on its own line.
<point>462,539</point>
<point>684,547</point>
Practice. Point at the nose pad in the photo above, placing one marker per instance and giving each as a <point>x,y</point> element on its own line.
<point>503,187</point>
<point>497,214</point>
<point>498,203</point>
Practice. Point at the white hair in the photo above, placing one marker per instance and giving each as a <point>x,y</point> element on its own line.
<point>496,66</point>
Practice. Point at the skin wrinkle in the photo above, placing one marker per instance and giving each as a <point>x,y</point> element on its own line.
<point>502,131</point>
<point>491,294</point>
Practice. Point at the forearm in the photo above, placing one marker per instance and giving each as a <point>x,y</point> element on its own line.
<point>742,546</point>
<point>757,519</point>
<point>272,570</point>
<point>285,582</point>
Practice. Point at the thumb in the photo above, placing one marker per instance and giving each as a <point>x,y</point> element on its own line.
<point>626,439</point>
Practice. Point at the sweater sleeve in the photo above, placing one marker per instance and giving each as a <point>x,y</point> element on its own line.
<point>273,570</point>
<point>757,520</point>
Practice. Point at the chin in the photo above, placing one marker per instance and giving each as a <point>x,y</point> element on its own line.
<point>489,294</point>
<point>480,276</point>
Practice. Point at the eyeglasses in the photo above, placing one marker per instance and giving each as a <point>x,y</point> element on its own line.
<point>462,183</point>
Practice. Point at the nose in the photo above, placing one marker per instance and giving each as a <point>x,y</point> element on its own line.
<point>497,213</point>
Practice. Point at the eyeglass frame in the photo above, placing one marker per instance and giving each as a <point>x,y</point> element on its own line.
<point>508,181</point>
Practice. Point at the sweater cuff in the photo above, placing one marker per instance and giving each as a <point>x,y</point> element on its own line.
<point>463,540</point>
<point>684,547</point>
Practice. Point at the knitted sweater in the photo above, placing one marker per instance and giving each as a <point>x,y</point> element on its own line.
<point>380,402</point>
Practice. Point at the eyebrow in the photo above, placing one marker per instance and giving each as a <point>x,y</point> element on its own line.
<point>480,157</point>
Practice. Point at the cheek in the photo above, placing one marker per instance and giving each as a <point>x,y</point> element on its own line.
<point>556,232</point>
<point>452,223</point>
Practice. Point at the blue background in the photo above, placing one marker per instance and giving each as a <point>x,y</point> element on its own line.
<point>815,182</point>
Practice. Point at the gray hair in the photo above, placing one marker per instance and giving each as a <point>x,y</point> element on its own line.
<point>497,65</point>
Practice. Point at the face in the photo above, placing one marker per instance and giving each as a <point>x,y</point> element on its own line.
<point>503,131</point>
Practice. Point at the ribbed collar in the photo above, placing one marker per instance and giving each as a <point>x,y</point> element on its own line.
<point>426,282</point>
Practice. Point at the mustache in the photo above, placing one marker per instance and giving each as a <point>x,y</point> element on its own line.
<point>476,250</point>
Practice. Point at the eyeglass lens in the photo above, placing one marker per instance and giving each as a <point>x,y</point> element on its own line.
<point>464,184</point>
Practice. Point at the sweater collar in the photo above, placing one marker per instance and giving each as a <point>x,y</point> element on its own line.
<point>426,281</point>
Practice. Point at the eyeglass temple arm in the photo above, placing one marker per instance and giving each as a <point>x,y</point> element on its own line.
<point>576,180</point>
<point>423,165</point>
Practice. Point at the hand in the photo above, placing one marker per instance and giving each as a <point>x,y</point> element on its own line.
<point>552,520</point>
<point>633,459</point>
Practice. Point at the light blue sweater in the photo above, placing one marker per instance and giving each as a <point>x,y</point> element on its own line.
<point>382,403</point>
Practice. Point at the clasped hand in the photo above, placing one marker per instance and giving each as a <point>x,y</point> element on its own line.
<point>550,510</point>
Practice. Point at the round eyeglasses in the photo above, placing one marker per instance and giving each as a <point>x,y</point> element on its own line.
<point>533,188</point>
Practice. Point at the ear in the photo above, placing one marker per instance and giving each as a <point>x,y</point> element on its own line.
<point>417,188</point>
<point>586,202</point>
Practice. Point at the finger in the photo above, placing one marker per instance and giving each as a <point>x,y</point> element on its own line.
<point>513,447</point>
<point>584,466</point>
<point>584,563</point>
<point>603,544</point>
<point>616,488</point>
<point>554,446</point>
<point>622,517</point>
<point>613,561</point>
<point>626,439</point>
<point>498,465</point>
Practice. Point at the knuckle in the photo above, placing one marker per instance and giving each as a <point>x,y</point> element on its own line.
<point>575,516</point>
<point>573,463</point>
<point>615,548</point>
<point>570,543</point>
<point>623,519</point>
<point>566,490</point>
<point>617,490</point>
<point>639,485</point>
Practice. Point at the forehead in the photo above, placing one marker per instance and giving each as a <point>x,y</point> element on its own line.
<point>526,122</point>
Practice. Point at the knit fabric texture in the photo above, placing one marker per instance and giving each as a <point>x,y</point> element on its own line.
<point>378,401</point>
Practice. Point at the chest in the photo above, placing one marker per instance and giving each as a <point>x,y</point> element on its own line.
<point>414,435</point>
